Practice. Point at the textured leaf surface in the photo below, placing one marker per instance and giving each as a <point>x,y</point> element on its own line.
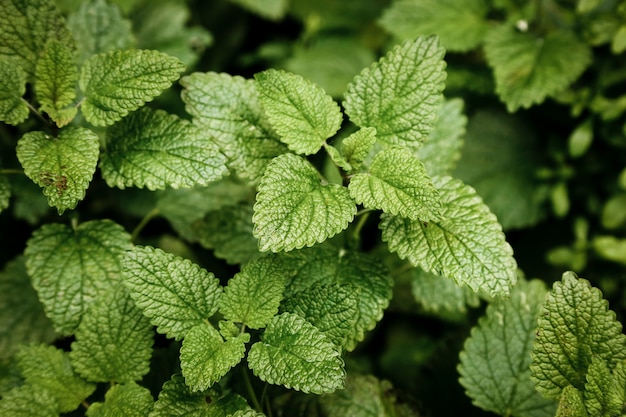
<point>50,368</point>
<point>26,26</point>
<point>571,403</point>
<point>358,145</point>
<point>55,82</point>
<point>98,26</point>
<point>29,401</point>
<point>602,396</point>
<point>153,149</point>
<point>500,160</point>
<point>397,183</point>
<point>333,309</point>
<point>173,292</point>
<point>294,208</point>
<point>252,296</point>
<point>229,107</point>
<point>62,166</point>
<point>114,340</point>
<point>461,24</point>
<point>574,326</point>
<point>13,109</point>
<point>128,400</point>
<point>301,112</point>
<point>442,149</point>
<point>206,357</point>
<point>467,245</point>
<point>364,396</point>
<point>22,319</point>
<point>81,264</point>
<point>438,294</point>
<point>495,360</point>
<point>176,400</point>
<point>297,355</point>
<point>528,69</point>
<point>119,82</point>
<point>401,94</point>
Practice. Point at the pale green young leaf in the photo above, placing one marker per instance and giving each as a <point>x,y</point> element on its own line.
<point>571,403</point>
<point>295,208</point>
<point>575,326</point>
<point>128,400</point>
<point>13,108</point>
<point>270,9</point>
<point>113,341</point>
<point>50,368</point>
<point>438,294</point>
<point>442,149</point>
<point>294,353</point>
<point>364,396</point>
<point>5,192</point>
<point>81,263</point>
<point>173,292</point>
<point>461,24</point>
<point>25,27</point>
<point>337,158</point>
<point>229,107</point>
<point>358,145</point>
<point>332,308</point>
<point>98,26</point>
<point>494,364</point>
<point>401,94</point>
<point>55,82</point>
<point>119,82</point>
<point>397,184</point>
<point>154,149</point>
<point>177,400</point>
<point>528,68</point>
<point>206,357</point>
<point>467,245</point>
<point>63,166</point>
<point>252,296</point>
<point>602,397</point>
<point>301,112</point>
<point>22,318</point>
<point>500,159</point>
<point>29,401</point>
<point>228,232</point>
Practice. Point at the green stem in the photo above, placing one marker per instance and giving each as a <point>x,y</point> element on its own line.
<point>151,215</point>
<point>34,110</point>
<point>8,171</point>
<point>250,389</point>
<point>363,216</point>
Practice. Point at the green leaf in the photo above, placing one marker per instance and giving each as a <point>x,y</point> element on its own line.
<point>571,403</point>
<point>119,82</point>
<point>29,401</point>
<point>364,396</point>
<point>494,365</point>
<point>610,247</point>
<point>229,107</point>
<point>81,263</point>
<point>438,294</point>
<point>270,9</point>
<point>401,94</point>
<point>442,149</point>
<point>128,400</point>
<point>154,149</point>
<point>22,319</point>
<point>332,308</point>
<point>55,82</point>
<point>63,166</point>
<point>246,413</point>
<point>301,112</point>
<point>98,27</point>
<point>114,340</point>
<point>173,292</point>
<point>461,24</point>
<point>295,208</point>
<point>5,192</point>
<point>575,325</point>
<point>602,396</point>
<point>297,355</point>
<point>206,357</point>
<point>467,245</point>
<point>500,160</point>
<point>229,233</point>
<point>25,27</point>
<point>177,400</point>
<point>253,295</point>
<point>528,68</point>
<point>13,108</point>
<point>397,184</point>
<point>358,145</point>
<point>50,368</point>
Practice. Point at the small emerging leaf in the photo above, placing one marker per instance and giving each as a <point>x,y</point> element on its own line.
<point>13,108</point>
<point>358,145</point>
<point>128,400</point>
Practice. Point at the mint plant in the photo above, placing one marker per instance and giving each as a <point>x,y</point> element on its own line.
<point>279,236</point>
